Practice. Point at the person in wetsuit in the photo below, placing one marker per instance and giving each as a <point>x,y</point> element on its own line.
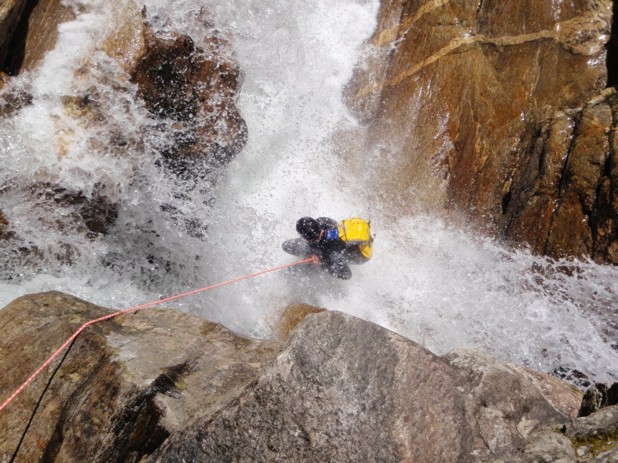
<point>319,237</point>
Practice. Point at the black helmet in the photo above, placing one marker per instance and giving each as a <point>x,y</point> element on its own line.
<point>308,228</point>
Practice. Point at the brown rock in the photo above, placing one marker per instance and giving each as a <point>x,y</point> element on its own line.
<point>123,386</point>
<point>563,204</point>
<point>571,230</point>
<point>293,315</point>
<point>35,34</point>
<point>4,225</point>
<point>346,390</point>
<point>160,385</point>
<point>11,12</point>
<point>127,44</point>
<point>191,90</point>
<point>4,79</point>
<point>197,89</point>
<point>461,93</point>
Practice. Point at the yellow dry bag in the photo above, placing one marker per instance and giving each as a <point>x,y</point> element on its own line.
<point>357,232</point>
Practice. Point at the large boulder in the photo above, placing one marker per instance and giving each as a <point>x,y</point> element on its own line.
<point>192,83</point>
<point>497,109</point>
<point>340,389</point>
<point>196,89</point>
<point>122,387</point>
<point>347,390</point>
<point>162,386</point>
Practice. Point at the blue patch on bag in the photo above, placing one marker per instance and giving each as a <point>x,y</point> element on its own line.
<point>332,234</point>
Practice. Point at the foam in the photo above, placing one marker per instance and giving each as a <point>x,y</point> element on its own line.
<point>428,280</point>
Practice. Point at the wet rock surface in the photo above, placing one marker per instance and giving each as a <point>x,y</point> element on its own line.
<point>34,33</point>
<point>598,396</point>
<point>196,89</point>
<point>178,94</point>
<point>159,385</point>
<point>123,387</point>
<point>11,13</point>
<point>475,105</point>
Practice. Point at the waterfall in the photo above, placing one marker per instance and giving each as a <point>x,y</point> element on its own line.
<point>429,280</point>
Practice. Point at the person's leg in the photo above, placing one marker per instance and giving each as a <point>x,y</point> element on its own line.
<point>296,247</point>
<point>353,255</point>
<point>339,269</point>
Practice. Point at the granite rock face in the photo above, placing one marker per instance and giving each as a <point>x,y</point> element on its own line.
<point>162,386</point>
<point>123,387</point>
<point>346,390</point>
<point>498,110</point>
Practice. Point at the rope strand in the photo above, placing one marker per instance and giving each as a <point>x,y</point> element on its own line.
<point>138,307</point>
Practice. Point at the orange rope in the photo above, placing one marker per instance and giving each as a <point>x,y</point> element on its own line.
<point>133,309</point>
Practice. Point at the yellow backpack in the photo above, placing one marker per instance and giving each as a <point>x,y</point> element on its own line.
<point>356,231</point>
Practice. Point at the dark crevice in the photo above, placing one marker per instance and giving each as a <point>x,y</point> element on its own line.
<point>612,49</point>
<point>602,209</point>
<point>56,440</point>
<point>17,48</point>
<point>478,8</point>
<point>506,200</point>
<point>38,404</point>
<point>563,182</point>
<point>523,179</point>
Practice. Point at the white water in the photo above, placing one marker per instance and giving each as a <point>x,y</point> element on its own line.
<point>428,281</point>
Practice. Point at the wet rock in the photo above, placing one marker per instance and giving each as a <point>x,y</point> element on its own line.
<point>596,435</point>
<point>11,13</point>
<point>566,200</point>
<point>126,44</point>
<point>33,33</point>
<point>159,385</point>
<point>195,89</point>
<point>83,214</point>
<point>4,226</point>
<point>472,101</point>
<point>192,88</point>
<point>571,375</point>
<point>599,395</point>
<point>293,315</point>
<point>123,386</point>
<point>346,390</point>
<point>180,106</point>
<point>12,99</point>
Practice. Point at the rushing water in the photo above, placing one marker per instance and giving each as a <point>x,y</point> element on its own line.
<point>428,280</point>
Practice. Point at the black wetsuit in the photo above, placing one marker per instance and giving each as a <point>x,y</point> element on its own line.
<point>333,253</point>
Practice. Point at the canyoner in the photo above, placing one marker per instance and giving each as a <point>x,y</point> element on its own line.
<point>335,244</point>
